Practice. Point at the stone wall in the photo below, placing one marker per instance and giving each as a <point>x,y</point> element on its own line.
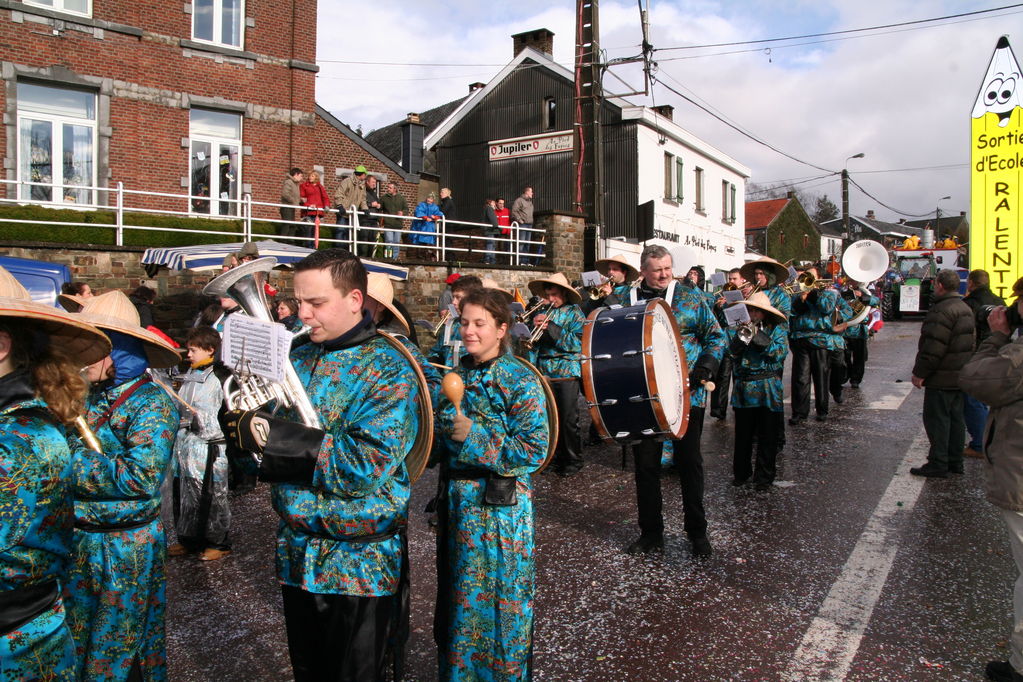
<point>179,293</point>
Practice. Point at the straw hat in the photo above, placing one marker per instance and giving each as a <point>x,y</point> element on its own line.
<point>631,273</point>
<point>537,286</point>
<point>380,289</point>
<point>781,273</point>
<point>113,311</point>
<point>71,302</point>
<point>491,283</point>
<point>74,336</point>
<point>759,299</point>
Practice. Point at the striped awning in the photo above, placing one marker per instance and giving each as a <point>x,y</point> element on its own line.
<point>211,257</point>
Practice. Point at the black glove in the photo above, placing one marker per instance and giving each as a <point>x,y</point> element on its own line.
<point>760,340</point>
<point>698,375</point>
<point>736,347</point>
<point>247,429</point>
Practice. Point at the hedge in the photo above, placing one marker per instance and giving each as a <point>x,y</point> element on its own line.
<point>41,229</point>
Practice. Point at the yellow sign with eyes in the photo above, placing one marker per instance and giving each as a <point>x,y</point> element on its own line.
<point>996,137</point>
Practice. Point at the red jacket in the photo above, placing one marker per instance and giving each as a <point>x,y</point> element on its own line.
<point>314,196</point>
<point>504,219</point>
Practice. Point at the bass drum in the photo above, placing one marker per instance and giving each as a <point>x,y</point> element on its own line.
<point>419,455</point>
<point>552,414</point>
<point>634,373</point>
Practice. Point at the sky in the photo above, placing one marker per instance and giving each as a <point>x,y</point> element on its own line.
<point>901,96</point>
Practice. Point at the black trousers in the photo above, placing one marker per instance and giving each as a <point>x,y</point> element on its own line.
<point>689,464</point>
<point>762,424</point>
<point>837,372</point>
<point>568,453</point>
<point>945,427</point>
<point>856,358</point>
<point>809,364</point>
<point>337,637</point>
<point>722,384</point>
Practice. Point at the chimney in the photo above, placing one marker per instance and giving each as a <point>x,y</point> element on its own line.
<point>790,194</point>
<point>902,221</point>
<point>962,213</point>
<point>870,214</point>
<point>473,87</point>
<point>412,134</point>
<point>665,110</point>
<point>540,40</point>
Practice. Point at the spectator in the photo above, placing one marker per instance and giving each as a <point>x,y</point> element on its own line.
<point>447,204</point>
<point>287,313</point>
<point>995,376</point>
<point>522,213</point>
<point>80,289</point>
<point>504,220</point>
<point>946,344</point>
<point>368,234</point>
<point>493,229</point>
<point>446,297</point>
<point>143,298</point>
<point>290,198</point>
<point>394,204</point>
<point>204,511</point>
<point>351,192</point>
<point>314,204</point>
<point>979,297</point>
<point>427,215</point>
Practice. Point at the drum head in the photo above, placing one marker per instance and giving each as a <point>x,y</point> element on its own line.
<point>552,415</point>
<point>666,372</point>
<point>419,454</point>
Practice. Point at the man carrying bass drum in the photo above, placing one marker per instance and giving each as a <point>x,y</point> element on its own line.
<point>703,342</point>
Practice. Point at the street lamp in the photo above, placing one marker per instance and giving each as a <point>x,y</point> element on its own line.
<point>845,194</point>
<point>937,216</point>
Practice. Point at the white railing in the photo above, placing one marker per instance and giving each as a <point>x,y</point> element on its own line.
<point>453,240</point>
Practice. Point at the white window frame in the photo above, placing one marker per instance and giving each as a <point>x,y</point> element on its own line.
<point>218,25</point>
<point>57,122</point>
<point>58,6</point>
<point>233,207</point>
<point>728,192</point>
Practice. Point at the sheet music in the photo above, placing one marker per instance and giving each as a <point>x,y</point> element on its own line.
<point>256,346</point>
<point>733,296</point>
<point>592,278</point>
<point>735,314</point>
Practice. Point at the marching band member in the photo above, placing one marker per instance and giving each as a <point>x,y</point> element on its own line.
<point>838,372</point>
<point>810,329</point>
<point>703,343</point>
<point>117,582</point>
<point>341,491</point>
<point>856,336</point>
<point>379,303</point>
<point>204,515</point>
<point>40,392</point>
<point>615,291</point>
<point>486,571</point>
<point>558,349</point>
<point>449,342</point>
<point>759,353</point>
<point>696,279</point>
<point>723,379</point>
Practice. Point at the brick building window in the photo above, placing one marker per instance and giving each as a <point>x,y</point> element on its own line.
<point>56,143</point>
<point>214,160</point>
<point>218,21</point>
<point>79,7</point>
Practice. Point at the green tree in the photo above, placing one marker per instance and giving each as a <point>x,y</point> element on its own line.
<point>824,210</point>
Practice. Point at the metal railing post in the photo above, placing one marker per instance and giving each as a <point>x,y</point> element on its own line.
<point>119,214</point>
<point>515,240</point>
<point>247,217</point>
<point>443,238</point>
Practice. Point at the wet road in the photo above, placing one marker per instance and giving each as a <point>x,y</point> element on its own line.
<point>849,568</point>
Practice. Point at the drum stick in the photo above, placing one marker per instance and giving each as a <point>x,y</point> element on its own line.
<point>709,385</point>
<point>454,390</point>
<point>440,366</point>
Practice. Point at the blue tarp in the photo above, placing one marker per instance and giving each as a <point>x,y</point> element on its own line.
<point>211,257</point>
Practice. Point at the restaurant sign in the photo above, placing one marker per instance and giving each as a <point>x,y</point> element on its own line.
<point>533,145</point>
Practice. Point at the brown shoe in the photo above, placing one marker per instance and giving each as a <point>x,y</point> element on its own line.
<point>970,452</point>
<point>211,554</point>
<point>177,549</point>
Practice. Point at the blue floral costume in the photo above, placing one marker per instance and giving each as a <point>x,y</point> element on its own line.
<point>558,359</point>
<point>117,583</point>
<point>36,515</point>
<point>484,617</point>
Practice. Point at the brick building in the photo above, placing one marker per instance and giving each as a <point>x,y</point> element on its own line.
<point>781,229</point>
<point>213,98</point>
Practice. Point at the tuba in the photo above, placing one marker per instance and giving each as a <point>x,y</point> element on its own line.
<point>244,390</point>
<point>864,261</point>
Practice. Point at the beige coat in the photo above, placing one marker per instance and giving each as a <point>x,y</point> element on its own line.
<point>995,376</point>
<point>351,192</point>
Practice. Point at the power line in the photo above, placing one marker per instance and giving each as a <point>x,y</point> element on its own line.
<point>890,208</point>
<point>837,33</point>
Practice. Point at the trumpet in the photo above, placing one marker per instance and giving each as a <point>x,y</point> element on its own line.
<point>542,308</point>
<point>530,312</point>
<point>745,331</point>
<point>443,320</point>
<point>806,281</point>
<point>596,293</point>
<point>88,436</point>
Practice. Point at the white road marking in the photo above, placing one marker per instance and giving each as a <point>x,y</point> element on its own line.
<point>892,396</point>
<point>833,638</point>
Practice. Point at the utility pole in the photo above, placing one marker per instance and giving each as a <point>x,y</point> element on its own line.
<point>845,195</point>
<point>588,190</point>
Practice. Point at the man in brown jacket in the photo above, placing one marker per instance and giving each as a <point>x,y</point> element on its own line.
<point>995,376</point>
<point>946,344</point>
<point>290,197</point>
